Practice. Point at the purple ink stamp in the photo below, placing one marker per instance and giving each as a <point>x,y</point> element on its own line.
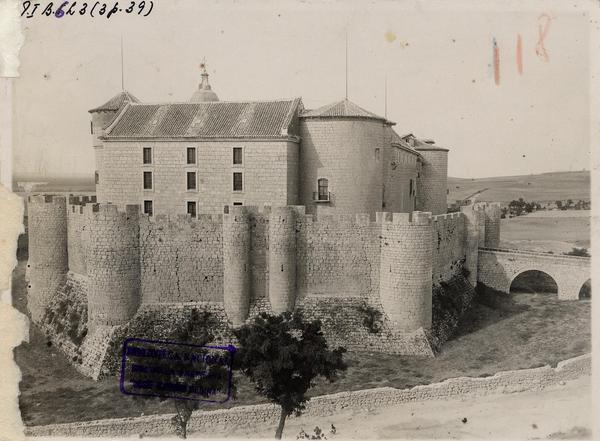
<point>182,371</point>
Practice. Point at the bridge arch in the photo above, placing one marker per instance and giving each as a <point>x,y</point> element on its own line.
<point>585,293</point>
<point>498,268</point>
<point>534,280</point>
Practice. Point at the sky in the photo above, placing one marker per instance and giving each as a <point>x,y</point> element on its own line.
<point>439,65</point>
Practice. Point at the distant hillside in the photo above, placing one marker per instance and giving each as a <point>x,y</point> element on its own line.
<point>542,187</point>
<point>58,184</point>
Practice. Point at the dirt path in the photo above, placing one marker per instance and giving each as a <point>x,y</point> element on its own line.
<point>560,411</point>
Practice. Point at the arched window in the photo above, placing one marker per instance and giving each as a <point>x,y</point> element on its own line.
<point>323,189</point>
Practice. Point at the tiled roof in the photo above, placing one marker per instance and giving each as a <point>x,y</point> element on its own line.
<point>116,102</point>
<point>341,109</point>
<point>266,119</point>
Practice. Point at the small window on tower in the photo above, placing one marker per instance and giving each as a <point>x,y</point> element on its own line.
<point>92,127</point>
<point>148,209</point>
<point>237,156</point>
<point>147,155</point>
<point>191,155</point>
<point>96,177</point>
<point>147,180</point>
<point>191,180</point>
<point>191,208</point>
<point>377,154</point>
<point>410,191</point>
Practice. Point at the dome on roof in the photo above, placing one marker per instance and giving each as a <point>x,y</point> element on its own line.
<point>204,93</point>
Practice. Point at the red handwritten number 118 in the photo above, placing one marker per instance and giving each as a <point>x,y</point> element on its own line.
<point>543,28</point>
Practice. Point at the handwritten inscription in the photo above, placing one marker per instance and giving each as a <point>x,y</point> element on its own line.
<point>543,28</point>
<point>97,9</point>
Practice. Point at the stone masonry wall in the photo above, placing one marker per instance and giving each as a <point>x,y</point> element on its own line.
<point>350,154</point>
<point>113,264</point>
<point>449,247</point>
<point>433,182</point>
<point>269,170</point>
<point>406,269</point>
<point>257,417</point>
<point>181,259</point>
<point>338,255</point>
<point>77,221</point>
<point>48,262</point>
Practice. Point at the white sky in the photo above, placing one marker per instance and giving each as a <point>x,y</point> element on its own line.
<point>439,69</point>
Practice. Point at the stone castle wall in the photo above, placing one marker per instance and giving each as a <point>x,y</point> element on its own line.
<point>433,182</point>
<point>250,259</point>
<point>449,245</point>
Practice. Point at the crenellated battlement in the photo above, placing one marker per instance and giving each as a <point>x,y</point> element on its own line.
<point>274,254</point>
<point>448,216</point>
<point>46,199</point>
<point>81,200</point>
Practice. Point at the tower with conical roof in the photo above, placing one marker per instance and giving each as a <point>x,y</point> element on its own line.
<point>204,93</point>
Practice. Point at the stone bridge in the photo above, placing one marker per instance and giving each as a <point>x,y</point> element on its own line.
<point>497,268</point>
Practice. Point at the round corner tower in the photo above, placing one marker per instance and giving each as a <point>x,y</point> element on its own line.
<point>282,259</point>
<point>343,148</point>
<point>432,183</point>
<point>236,271</point>
<point>48,261</point>
<point>406,270</point>
<point>113,264</point>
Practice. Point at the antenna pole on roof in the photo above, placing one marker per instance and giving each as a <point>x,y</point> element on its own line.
<point>122,70</point>
<point>346,63</point>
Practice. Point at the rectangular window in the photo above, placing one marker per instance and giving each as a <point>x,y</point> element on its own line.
<point>91,127</point>
<point>191,155</point>
<point>147,180</point>
<point>191,180</point>
<point>237,156</point>
<point>191,208</point>
<point>96,177</point>
<point>237,182</point>
<point>323,187</point>
<point>147,155</point>
<point>237,203</point>
<point>377,154</point>
<point>148,209</point>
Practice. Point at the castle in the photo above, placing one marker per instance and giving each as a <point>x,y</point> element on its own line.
<point>335,215</point>
<point>200,156</point>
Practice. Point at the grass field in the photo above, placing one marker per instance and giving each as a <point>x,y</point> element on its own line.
<point>555,230</point>
<point>519,331</point>
<point>541,187</point>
